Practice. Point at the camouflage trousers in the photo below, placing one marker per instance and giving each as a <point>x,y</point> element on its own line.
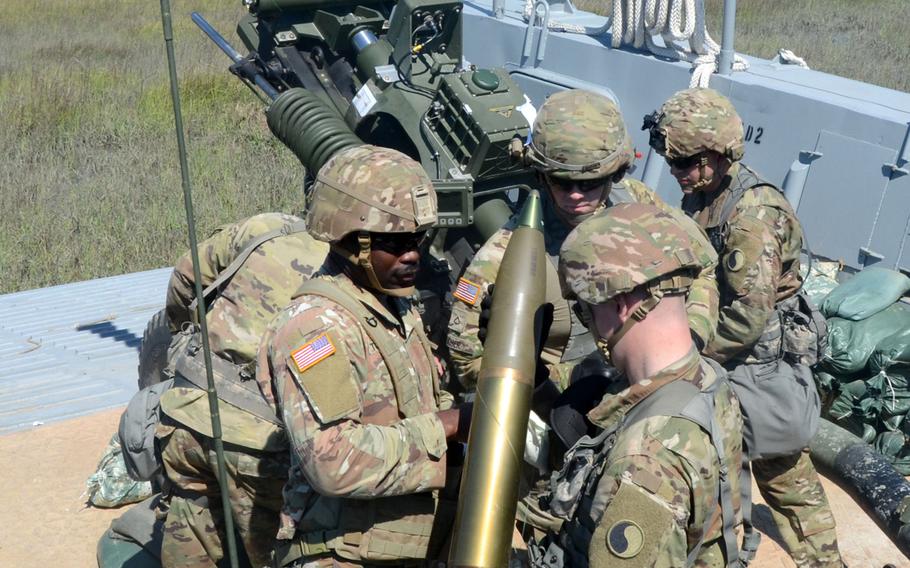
<point>194,527</point>
<point>791,487</point>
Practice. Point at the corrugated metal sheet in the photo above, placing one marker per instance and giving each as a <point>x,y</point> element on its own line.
<point>72,350</point>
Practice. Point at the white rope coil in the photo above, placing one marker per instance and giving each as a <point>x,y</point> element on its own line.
<point>636,23</point>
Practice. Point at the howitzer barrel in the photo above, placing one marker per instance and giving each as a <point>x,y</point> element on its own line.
<point>235,55</point>
<point>869,475</point>
<point>489,488</point>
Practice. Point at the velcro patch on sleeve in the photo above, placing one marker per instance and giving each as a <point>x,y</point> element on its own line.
<point>632,529</point>
<point>313,352</point>
<point>326,381</point>
<point>467,291</point>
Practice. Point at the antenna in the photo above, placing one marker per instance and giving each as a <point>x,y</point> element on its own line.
<point>197,276</point>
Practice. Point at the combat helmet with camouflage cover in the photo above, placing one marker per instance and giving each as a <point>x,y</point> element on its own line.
<point>693,121</point>
<point>368,189</point>
<point>580,135</point>
<point>627,246</point>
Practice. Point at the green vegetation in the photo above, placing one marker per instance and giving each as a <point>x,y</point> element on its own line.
<point>89,182</point>
<point>861,39</point>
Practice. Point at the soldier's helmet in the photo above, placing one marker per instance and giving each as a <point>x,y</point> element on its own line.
<point>370,189</point>
<point>627,246</point>
<point>579,135</point>
<point>693,121</point>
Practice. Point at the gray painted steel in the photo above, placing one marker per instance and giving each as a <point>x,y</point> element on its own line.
<point>860,128</point>
<point>72,350</point>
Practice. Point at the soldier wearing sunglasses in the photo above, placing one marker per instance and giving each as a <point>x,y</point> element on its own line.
<point>354,378</point>
<point>758,240</point>
<point>581,150</point>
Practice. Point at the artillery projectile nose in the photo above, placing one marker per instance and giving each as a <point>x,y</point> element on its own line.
<point>489,487</point>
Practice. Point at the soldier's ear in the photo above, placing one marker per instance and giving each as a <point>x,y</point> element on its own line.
<point>627,303</point>
<point>625,306</point>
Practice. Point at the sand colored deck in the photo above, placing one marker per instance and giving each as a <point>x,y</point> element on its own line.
<point>44,520</point>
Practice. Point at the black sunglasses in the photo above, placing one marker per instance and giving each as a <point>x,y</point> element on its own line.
<point>684,163</point>
<point>583,186</point>
<point>398,243</point>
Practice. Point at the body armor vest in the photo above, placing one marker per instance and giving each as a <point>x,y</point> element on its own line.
<point>386,528</point>
<point>575,487</point>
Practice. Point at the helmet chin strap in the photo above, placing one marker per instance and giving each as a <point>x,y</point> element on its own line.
<point>363,261</point>
<point>703,181</point>
<point>643,309</point>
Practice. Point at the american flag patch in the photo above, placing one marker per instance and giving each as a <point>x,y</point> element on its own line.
<point>312,352</point>
<point>467,291</point>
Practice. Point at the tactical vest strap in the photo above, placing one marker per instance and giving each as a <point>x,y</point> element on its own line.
<point>745,180</point>
<point>701,411</point>
<point>234,383</point>
<point>581,341</point>
<point>394,356</point>
<point>225,275</point>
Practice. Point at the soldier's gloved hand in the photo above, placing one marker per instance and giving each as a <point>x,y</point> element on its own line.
<point>545,392</point>
<point>486,304</point>
<point>698,341</point>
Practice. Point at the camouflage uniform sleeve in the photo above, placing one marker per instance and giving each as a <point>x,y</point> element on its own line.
<point>323,410</point>
<point>215,253</point>
<point>463,342</point>
<point>654,496</point>
<point>751,266</point>
<point>703,301</point>
<point>641,193</point>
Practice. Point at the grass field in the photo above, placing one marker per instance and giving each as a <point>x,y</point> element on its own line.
<point>89,183</point>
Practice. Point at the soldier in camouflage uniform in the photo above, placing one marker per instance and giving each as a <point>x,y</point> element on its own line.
<point>582,150</point>
<point>275,256</point>
<point>666,493</point>
<point>758,239</point>
<point>349,367</point>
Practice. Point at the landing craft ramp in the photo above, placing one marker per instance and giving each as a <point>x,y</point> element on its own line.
<point>72,350</point>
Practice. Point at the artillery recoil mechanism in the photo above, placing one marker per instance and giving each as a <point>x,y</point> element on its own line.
<point>340,73</point>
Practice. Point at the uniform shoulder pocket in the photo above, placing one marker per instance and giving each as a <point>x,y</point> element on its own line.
<point>321,368</point>
<point>632,529</point>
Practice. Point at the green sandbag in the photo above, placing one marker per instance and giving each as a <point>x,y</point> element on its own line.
<point>847,410</point>
<point>891,391</point>
<point>892,352</point>
<point>867,293</point>
<point>828,388</point>
<point>893,445</point>
<point>889,444</point>
<point>851,343</point>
